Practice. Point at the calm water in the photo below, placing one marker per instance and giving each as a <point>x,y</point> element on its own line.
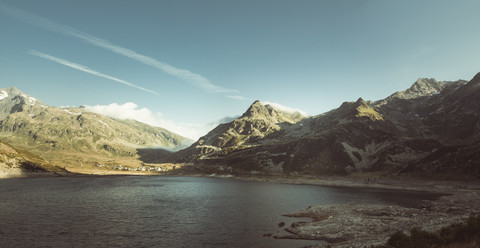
<point>163,211</point>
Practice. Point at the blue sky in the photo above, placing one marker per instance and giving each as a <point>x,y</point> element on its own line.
<point>186,64</point>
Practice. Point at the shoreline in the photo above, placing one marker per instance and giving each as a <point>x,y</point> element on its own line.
<point>355,181</point>
<point>397,183</point>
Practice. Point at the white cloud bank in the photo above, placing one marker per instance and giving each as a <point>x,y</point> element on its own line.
<point>285,108</point>
<point>132,111</point>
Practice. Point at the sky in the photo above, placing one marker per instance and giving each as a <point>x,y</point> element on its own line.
<point>189,65</point>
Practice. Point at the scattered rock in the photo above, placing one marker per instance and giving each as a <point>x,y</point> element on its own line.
<point>354,225</point>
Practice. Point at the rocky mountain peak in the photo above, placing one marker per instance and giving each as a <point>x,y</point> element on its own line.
<point>360,102</point>
<point>14,94</point>
<point>13,100</point>
<point>421,87</point>
<point>475,82</point>
<point>362,109</point>
<point>9,93</point>
<point>256,109</point>
<point>12,90</point>
<point>359,108</point>
<point>432,82</point>
<point>272,113</point>
<point>424,87</point>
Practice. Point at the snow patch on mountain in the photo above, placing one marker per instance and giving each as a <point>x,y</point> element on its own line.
<point>3,95</point>
<point>72,113</point>
<point>104,123</point>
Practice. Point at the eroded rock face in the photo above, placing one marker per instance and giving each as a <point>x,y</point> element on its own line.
<point>408,131</point>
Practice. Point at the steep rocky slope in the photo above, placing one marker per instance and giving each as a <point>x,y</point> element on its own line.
<point>259,125</point>
<point>74,136</point>
<point>431,128</point>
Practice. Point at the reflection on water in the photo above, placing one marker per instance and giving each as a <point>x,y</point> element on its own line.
<point>163,211</point>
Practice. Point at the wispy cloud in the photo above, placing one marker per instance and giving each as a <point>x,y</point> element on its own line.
<point>87,70</point>
<point>195,79</point>
<point>238,98</point>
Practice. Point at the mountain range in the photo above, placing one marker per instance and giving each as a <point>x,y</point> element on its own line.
<point>431,129</point>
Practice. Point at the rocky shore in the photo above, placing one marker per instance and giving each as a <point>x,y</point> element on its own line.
<point>355,225</point>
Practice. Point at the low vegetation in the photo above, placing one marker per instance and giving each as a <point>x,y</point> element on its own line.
<point>462,235</point>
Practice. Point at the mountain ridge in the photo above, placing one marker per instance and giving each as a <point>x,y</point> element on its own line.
<point>410,130</point>
<point>74,136</point>
<point>431,128</point>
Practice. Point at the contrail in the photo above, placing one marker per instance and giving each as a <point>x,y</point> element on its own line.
<point>193,78</point>
<point>87,70</point>
<point>238,98</point>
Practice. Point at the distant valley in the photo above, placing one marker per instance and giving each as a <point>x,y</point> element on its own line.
<point>431,129</point>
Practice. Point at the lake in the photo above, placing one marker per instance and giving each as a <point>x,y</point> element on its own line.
<point>164,211</point>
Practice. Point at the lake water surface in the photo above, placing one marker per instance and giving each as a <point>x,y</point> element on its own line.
<point>163,211</point>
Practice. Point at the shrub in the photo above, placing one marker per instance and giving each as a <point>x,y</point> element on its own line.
<point>456,234</point>
<point>424,239</point>
<point>400,239</point>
